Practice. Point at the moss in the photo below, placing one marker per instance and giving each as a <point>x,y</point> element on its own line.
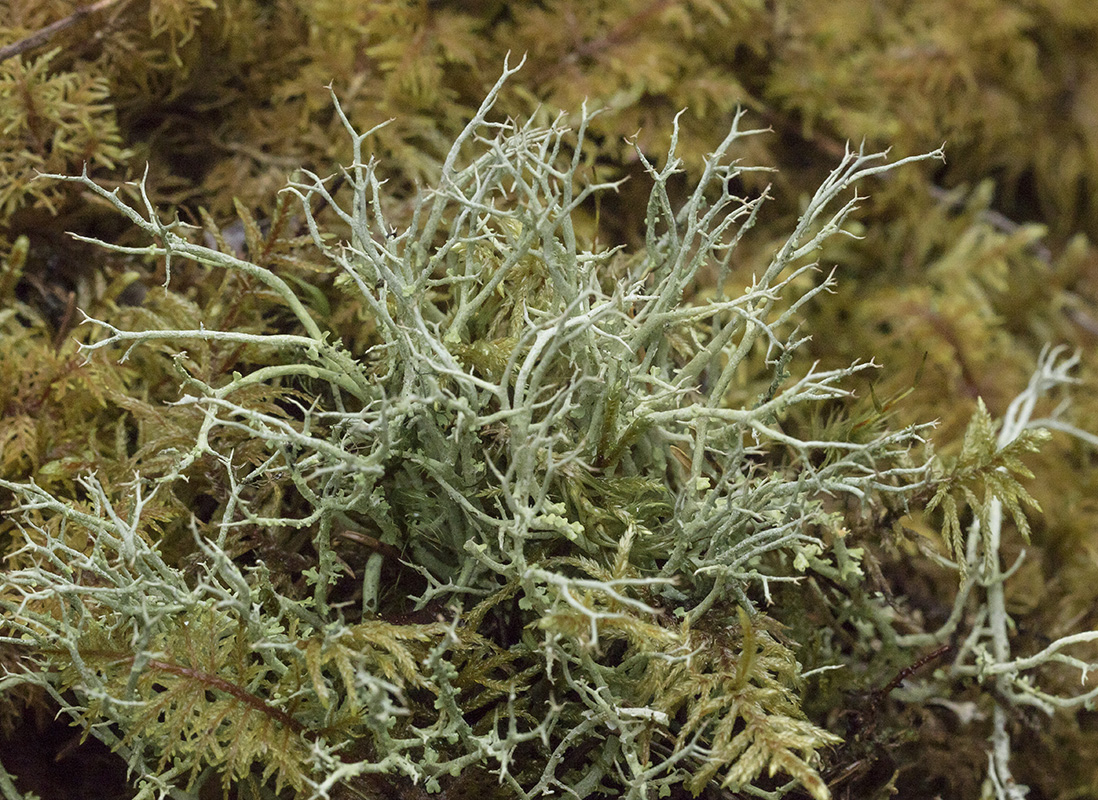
<point>951,289</point>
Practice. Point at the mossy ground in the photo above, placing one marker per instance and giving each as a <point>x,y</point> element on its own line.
<point>963,274</point>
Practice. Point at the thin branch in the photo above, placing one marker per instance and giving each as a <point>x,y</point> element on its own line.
<point>43,35</point>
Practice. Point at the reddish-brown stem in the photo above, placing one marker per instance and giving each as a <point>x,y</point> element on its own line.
<point>904,674</point>
<point>229,687</point>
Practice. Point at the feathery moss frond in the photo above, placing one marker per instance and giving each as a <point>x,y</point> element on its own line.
<point>985,471</point>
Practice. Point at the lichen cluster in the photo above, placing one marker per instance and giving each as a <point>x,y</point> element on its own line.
<point>574,473</point>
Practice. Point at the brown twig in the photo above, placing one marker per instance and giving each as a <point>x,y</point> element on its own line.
<point>868,719</point>
<point>370,542</point>
<point>43,35</point>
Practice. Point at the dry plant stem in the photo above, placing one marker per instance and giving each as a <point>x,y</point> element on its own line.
<point>43,35</point>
